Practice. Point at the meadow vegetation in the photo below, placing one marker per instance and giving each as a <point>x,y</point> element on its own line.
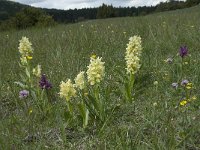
<point>160,110</point>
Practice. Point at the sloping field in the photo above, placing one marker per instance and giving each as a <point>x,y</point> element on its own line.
<point>159,117</point>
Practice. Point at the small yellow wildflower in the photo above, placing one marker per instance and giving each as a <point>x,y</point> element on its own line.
<point>186,63</point>
<point>29,57</point>
<point>93,56</point>
<point>188,86</point>
<point>183,102</point>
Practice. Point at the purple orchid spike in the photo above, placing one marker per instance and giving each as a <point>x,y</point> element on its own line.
<point>183,51</point>
<point>44,83</point>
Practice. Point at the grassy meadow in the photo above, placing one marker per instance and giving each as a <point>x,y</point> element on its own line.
<point>154,120</point>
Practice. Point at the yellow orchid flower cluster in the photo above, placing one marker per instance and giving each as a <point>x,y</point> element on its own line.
<point>133,53</point>
<point>26,50</point>
<point>95,73</point>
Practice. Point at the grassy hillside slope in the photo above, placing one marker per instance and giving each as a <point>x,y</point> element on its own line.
<point>157,122</point>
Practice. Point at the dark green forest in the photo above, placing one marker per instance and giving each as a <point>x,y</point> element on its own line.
<point>14,15</point>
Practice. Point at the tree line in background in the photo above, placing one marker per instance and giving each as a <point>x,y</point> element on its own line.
<point>28,17</point>
<point>17,16</point>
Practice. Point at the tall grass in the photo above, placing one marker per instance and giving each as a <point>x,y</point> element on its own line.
<point>64,50</point>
